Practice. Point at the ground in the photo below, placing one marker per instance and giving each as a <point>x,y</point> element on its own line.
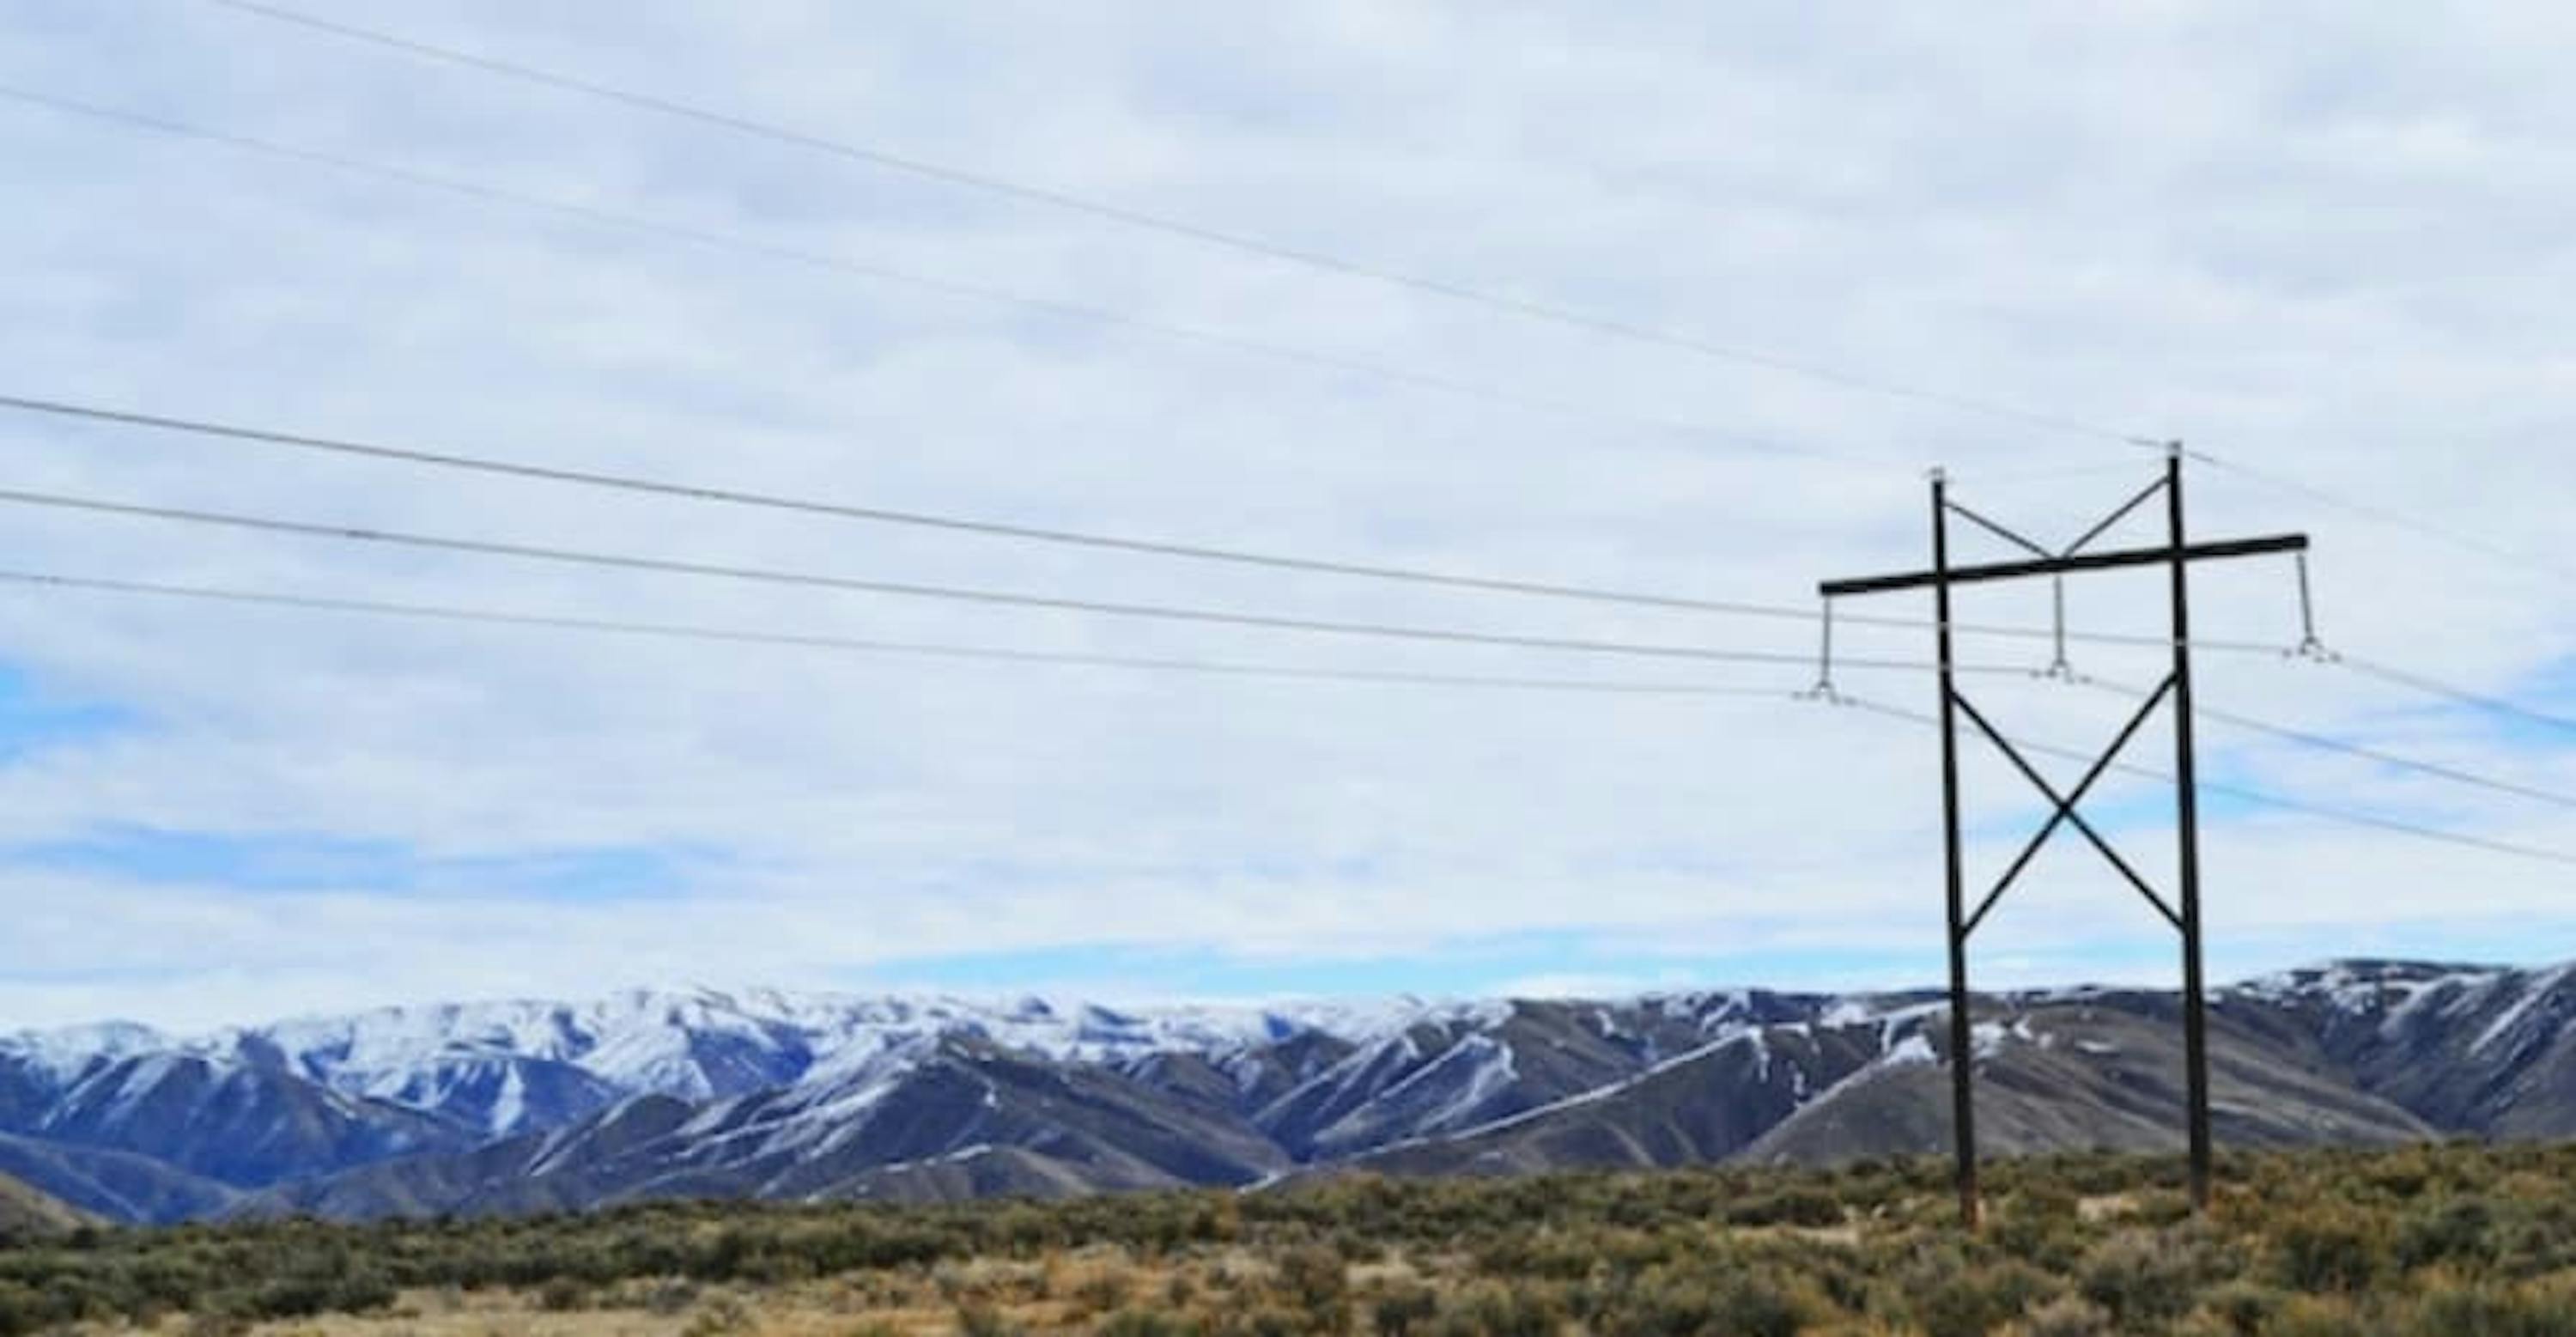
<point>2423,1240</point>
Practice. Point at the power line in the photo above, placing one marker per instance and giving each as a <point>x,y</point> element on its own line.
<point>995,654</point>
<point>999,529</point>
<point>999,654</point>
<point>2462,695</point>
<point>687,632</point>
<point>2529,563</point>
<point>883,515</point>
<point>2257,796</point>
<point>2322,742</point>
<point>1413,379</point>
<point>1001,598</point>
<point>2011,477</point>
<point>1138,218</point>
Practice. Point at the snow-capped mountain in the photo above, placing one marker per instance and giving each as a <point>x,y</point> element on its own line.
<point>529,1105</point>
<point>703,1043</point>
<point>508,1067</point>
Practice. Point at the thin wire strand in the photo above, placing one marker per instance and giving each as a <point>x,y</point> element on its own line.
<point>2260,797</point>
<point>878,514</point>
<point>2528,562</point>
<point>1189,334</point>
<point>998,529</point>
<point>2322,742</point>
<point>685,632</point>
<point>1976,477</point>
<point>1137,218</point>
<point>868,645</point>
<point>2436,687</point>
<point>999,598</point>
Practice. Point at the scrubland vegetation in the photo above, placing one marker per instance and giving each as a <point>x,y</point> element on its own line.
<point>2431,1240</point>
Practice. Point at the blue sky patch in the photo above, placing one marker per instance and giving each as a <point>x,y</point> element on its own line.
<point>33,717</point>
<point>306,861</point>
<point>2551,689</point>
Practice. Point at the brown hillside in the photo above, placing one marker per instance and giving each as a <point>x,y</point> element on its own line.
<point>24,1211</point>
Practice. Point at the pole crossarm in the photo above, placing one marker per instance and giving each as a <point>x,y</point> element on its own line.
<point>2066,810</point>
<point>2082,561</point>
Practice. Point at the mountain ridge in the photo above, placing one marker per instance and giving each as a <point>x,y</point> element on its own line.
<point>525,1105</point>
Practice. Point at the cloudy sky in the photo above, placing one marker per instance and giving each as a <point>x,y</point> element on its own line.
<point>2331,248</point>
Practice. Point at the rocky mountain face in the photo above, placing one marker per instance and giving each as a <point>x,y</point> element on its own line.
<point>546,1106</point>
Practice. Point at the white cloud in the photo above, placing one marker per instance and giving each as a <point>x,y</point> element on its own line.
<point>2323,243</point>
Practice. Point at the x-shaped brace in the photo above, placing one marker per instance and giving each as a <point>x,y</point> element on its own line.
<point>2066,814</point>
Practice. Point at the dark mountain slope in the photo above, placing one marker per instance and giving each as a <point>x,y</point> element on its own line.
<point>1704,1106</point>
<point>410,1111</point>
<point>918,1128</point>
<point>2106,1073</point>
<point>113,1185</point>
<point>2479,1051</point>
<point>236,1123</point>
<point>1451,1074</point>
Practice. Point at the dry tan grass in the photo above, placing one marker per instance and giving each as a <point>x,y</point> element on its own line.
<point>2423,1242</point>
<point>1066,1291</point>
<point>2107,1207</point>
<point>814,1310</point>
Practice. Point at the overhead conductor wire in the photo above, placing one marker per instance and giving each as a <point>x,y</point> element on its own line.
<point>240,434</point>
<point>1025,192</point>
<point>673,566</point>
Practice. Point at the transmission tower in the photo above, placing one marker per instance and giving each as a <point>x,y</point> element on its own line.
<point>2178,554</point>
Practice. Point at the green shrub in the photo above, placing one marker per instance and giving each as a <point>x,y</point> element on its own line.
<point>2329,1249</point>
<point>2315,1316</point>
<point>2459,1232</point>
<point>2146,1279</point>
<point>1102,1292</point>
<point>1727,1296</point>
<point>721,1314</point>
<point>1404,1308</point>
<point>1950,1298</point>
<point>2040,1223</point>
<point>1491,1310</point>
<point>1145,1323</point>
<point>2487,1310</point>
<point>2239,1308</point>
<point>979,1318</point>
<point>1316,1280</point>
<point>2472,1239</point>
<point>1800,1206</point>
<point>563,1295</point>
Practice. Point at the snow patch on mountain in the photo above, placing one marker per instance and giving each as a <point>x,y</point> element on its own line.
<point>512,1065</point>
<point>2536,989</point>
<point>63,1055</point>
<point>1913,1051</point>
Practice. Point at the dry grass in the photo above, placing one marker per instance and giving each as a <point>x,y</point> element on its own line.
<point>811,1310</point>
<point>1062,1292</point>
<point>2415,1242</point>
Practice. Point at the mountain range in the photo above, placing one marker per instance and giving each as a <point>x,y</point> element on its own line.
<point>527,1106</point>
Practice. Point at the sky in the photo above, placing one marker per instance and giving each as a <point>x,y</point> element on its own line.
<point>2328,247</point>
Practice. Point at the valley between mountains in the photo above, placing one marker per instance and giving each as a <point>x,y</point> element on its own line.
<point>542,1106</point>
